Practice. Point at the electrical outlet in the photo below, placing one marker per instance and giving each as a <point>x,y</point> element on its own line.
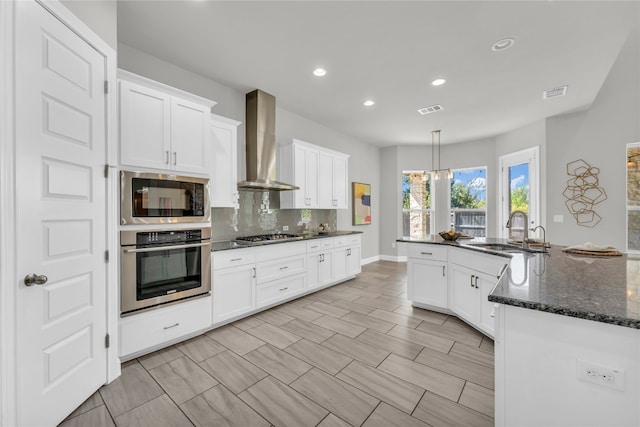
<point>393,244</point>
<point>285,228</point>
<point>601,375</point>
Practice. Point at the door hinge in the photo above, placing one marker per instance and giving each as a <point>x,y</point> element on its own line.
<point>107,341</point>
<point>106,256</point>
<point>106,87</point>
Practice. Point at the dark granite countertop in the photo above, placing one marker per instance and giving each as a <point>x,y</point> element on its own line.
<point>234,244</point>
<point>602,289</point>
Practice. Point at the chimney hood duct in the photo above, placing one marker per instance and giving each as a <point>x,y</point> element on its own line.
<point>260,124</point>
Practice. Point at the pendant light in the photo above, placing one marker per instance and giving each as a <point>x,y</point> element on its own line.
<point>435,135</point>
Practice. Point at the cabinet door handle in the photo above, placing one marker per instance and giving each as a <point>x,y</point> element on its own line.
<point>476,282</point>
<point>172,326</point>
<point>426,253</point>
<point>254,272</point>
<point>471,281</point>
<point>443,271</point>
<point>322,257</point>
<point>284,289</point>
<point>284,268</point>
<point>166,157</point>
<point>175,158</point>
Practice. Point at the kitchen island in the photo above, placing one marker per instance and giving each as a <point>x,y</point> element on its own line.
<point>567,344</point>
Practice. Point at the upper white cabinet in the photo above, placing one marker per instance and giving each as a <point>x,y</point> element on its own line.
<point>162,127</point>
<point>224,164</point>
<point>334,177</point>
<point>321,174</point>
<point>300,166</point>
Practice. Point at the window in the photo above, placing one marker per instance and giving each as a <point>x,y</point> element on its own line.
<point>468,201</point>
<point>633,198</point>
<point>519,191</point>
<point>417,212</point>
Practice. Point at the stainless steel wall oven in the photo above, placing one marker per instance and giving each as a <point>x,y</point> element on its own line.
<point>155,198</point>
<point>163,266</point>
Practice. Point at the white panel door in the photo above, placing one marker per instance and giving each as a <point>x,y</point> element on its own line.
<point>312,185</point>
<point>234,292</point>
<point>61,211</point>
<point>224,175</point>
<point>189,136</point>
<point>326,181</point>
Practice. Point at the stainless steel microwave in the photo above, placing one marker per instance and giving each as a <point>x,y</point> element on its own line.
<point>156,198</point>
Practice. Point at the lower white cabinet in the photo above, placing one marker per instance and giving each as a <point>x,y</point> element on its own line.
<point>234,292</point>
<point>347,258</point>
<point>428,282</point>
<point>154,328</point>
<point>457,280</point>
<point>319,263</point>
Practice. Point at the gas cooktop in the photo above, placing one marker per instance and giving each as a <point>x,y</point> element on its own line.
<point>269,238</point>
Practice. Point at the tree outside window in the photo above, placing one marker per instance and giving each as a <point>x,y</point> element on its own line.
<point>416,204</point>
<point>468,194</point>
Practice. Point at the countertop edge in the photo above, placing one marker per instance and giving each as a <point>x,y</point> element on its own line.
<point>304,238</point>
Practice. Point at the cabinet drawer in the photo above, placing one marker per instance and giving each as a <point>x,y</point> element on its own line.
<point>142,331</point>
<point>278,290</point>
<point>423,251</point>
<point>318,245</point>
<point>283,267</point>
<point>280,250</point>
<point>485,263</point>
<point>353,240</point>
<point>232,258</point>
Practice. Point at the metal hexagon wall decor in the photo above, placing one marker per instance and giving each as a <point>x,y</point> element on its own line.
<point>583,192</point>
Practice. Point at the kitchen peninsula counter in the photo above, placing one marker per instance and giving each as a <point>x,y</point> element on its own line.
<point>602,289</point>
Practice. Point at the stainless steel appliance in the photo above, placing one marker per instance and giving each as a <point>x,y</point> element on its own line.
<point>163,266</point>
<point>155,198</point>
<point>261,144</point>
<point>263,239</point>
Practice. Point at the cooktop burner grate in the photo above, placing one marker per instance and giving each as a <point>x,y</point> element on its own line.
<point>269,238</point>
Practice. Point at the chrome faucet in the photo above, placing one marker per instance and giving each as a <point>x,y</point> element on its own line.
<point>544,236</point>
<point>524,215</point>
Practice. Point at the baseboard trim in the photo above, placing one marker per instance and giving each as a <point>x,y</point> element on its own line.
<point>369,260</point>
<point>392,258</point>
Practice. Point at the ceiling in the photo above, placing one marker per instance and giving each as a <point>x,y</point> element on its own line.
<point>390,51</point>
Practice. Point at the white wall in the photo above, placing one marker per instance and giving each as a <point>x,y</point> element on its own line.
<point>99,15</point>
<point>598,136</point>
<point>364,163</point>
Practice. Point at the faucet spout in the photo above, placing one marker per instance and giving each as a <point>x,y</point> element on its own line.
<point>525,218</point>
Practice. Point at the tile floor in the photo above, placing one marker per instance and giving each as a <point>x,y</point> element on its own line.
<point>355,354</point>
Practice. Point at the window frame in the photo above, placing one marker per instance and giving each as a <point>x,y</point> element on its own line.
<point>628,207</point>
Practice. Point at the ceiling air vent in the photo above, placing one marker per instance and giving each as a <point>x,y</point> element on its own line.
<point>431,109</point>
<point>556,91</point>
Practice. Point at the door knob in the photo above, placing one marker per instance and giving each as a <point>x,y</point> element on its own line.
<point>34,279</point>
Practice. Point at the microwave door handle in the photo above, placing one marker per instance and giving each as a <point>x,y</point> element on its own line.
<point>165,248</point>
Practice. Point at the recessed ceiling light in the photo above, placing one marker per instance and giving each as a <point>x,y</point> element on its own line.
<point>503,44</point>
<point>319,72</point>
<point>438,82</point>
<point>368,103</point>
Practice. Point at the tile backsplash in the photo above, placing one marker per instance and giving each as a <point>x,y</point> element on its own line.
<point>258,212</point>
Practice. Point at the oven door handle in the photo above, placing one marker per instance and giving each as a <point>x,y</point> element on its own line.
<point>165,248</point>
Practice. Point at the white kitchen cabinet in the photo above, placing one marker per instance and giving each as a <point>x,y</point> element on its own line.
<point>299,165</point>
<point>162,127</point>
<point>347,256</point>
<point>472,278</point>
<point>281,272</point>
<point>273,292</point>
<point>319,263</point>
<point>427,281</point>
<point>233,283</point>
<point>334,177</point>
<point>156,328</point>
<point>224,167</point>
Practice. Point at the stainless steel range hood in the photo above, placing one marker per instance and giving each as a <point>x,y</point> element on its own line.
<point>260,126</point>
